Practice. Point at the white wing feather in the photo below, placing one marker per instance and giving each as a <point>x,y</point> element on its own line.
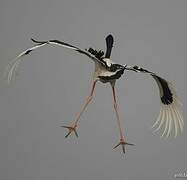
<point>170,118</point>
<point>13,65</point>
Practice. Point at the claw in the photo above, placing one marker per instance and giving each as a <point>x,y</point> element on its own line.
<point>123,143</point>
<point>71,129</point>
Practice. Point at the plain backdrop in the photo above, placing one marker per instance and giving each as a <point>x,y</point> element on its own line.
<point>52,83</point>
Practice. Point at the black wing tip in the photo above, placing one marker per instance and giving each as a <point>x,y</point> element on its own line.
<point>38,42</point>
<point>167,97</point>
<point>167,100</point>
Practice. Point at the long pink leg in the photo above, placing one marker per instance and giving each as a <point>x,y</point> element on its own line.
<point>122,139</point>
<point>72,128</point>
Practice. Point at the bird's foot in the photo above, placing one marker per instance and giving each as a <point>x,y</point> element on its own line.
<point>71,129</point>
<point>123,143</point>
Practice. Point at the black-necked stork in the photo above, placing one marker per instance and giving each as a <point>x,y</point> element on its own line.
<point>170,118</point>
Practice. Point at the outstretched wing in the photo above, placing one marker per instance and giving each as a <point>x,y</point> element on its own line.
<point>170,117</point>
<point>12,67</point>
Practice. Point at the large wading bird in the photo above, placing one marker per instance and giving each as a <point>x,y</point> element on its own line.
<point>170,119</point>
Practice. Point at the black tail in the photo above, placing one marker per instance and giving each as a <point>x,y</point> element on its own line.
<point>109,45</point>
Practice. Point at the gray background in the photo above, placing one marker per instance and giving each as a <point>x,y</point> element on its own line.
<point>52,84</point>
